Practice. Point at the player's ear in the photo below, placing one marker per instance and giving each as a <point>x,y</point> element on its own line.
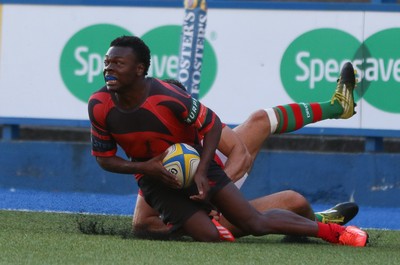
<point>140,69</point>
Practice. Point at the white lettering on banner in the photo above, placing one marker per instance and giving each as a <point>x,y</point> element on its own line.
<point>378,68</point>
<point>187,39</point>
<point>91,67</point>
<point>183,75</point>
<point>198,59</point>
<point>191,50</point>
<point>81,60</point>
<point>385,76</point>
<point>396,71</point>
<point>317,70</point>
<point>302,66</point>
<point>371,73</point>
<point>317,65</point>
<point>331,70</point>
<point>95,66</point>
<point>189,17</point>
<point>203,19</point>
<point>172,66</point>
<point>186,45</point>
<point>199,49</point>
<point>167,64</point>
<point>158,67</point>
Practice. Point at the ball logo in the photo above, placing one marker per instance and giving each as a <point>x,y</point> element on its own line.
<point>81,62</point>
<point>173,171</point>
<point>311,65</point>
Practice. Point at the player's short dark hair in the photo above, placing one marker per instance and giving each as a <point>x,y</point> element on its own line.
<point>176,83</point>
<point>138,46</point>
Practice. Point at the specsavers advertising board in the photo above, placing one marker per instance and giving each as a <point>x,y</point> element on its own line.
<point>51,58</point>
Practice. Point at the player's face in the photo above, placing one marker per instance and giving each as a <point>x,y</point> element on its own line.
<point>121,69</point>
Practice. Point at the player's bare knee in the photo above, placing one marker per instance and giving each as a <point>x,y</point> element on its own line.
<point>200,228</point>
<point>297,203</point>
<point>261,119</point>
<point>297,200</point>
<point>138,226</point>
<point>259,116</point>
<point>210,235</point>
<point>139,230</point>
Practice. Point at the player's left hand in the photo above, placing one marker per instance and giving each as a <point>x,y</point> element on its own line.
<point>202,186</point>
<point>154,169</point>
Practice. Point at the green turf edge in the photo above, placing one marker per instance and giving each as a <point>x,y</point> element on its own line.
<point>60,238</point>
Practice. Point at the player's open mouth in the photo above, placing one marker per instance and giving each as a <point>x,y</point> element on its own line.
<point>110,80</point>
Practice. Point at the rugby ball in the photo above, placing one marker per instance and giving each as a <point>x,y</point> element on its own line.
<point>182,160</point>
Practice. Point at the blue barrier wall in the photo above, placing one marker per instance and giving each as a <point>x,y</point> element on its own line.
<point>373,179</point>
<point>58,166</point>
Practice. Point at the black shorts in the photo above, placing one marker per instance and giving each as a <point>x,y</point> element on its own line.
<point>175,206</point>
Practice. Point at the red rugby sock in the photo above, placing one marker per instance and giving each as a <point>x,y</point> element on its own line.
<point>329,232</point>
<point>294,116</point>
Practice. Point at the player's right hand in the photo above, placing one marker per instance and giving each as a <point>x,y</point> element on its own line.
<point>155,169</point>
<point>202,186</point>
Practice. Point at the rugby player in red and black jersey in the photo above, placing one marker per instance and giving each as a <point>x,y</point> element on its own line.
<point>237,150</point>
<point>144,116</point>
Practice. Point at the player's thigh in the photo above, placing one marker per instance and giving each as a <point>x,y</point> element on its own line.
<point>254,131</point>
<point>282,200</point>
<point>234,207</point>
<point>142,211</point>
<point>200,227</point>
<point>287,200</point>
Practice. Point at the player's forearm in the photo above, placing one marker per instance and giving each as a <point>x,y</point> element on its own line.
<point>239,160</point>
<point>210,143</point>
<point>117,164</point>
<point>237,166</point>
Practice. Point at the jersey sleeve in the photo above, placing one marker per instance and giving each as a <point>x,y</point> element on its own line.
<point>103,144</point>
<point>193,112</point>
<point>199,116</point>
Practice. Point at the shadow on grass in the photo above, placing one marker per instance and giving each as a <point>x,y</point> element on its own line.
<point>121,226</point>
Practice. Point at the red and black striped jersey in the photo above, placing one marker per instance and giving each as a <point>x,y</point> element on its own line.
<point>168,115</point>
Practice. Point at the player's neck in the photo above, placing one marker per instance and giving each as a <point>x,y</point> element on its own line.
<point>134,97</point>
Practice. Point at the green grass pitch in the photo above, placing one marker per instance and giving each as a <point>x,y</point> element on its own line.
<point>55,238</point>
